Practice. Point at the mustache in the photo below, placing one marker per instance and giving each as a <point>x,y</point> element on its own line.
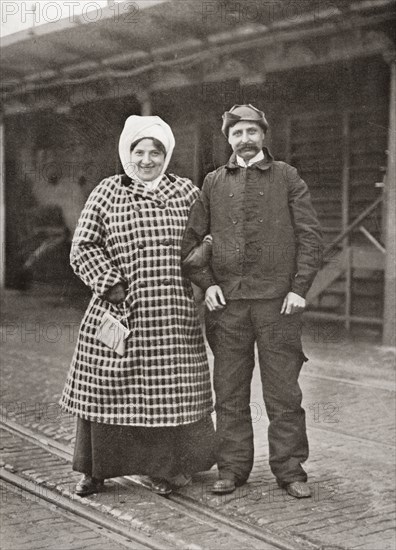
<point>247,146</point>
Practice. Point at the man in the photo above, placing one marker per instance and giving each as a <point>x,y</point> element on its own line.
<point>266,252</point>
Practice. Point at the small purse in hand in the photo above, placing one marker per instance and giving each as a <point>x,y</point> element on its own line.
<point>112,333</point>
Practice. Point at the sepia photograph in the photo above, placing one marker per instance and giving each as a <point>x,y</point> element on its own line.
<point>198,274</point>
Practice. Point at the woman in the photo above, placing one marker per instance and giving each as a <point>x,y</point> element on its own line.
<point>144,409</point>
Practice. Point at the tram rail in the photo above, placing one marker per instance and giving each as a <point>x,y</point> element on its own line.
<point>133,540</point>
<point>201,526</point>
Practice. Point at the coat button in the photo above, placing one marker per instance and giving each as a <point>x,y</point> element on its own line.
<point>234,221</point>
<point>137,208</point>
<point>167,242</point>
<point>231,195</point>
<point>142,284</point>
<point>260,220</point>
<point>161,205</point>
<point>167,282</point>
<point>261,193</point>
<point>141,245</point>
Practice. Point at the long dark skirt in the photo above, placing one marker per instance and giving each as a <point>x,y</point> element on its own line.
<point>106,450</point>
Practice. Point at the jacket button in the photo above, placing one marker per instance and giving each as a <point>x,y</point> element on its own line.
<point>234,221</point>
<point>141,245</point>
<point>260,220</point>
<point>137,208</point>
<point>231,194</point>
<point>161,205</point>
<point>167,242</point>
<point>143,284</point>
<point>261,193</point>
<point>167,282</point>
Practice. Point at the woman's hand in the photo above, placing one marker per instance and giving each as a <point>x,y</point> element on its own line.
<point>116,294</point>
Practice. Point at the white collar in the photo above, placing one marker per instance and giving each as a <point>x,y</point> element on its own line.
<point>152,185</point>
<point>257,158</point>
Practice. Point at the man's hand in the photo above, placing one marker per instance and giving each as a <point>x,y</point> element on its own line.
<point>116,294</point>
<point>293,303</point>
<point>214,298</point>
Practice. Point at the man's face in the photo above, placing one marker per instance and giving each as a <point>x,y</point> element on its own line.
<point>246,139</point>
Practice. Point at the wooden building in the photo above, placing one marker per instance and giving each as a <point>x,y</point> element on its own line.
<point>323,72</point>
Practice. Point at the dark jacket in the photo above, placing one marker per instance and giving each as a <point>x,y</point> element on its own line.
<point>266,236</point>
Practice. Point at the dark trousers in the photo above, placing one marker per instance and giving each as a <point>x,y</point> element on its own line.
<point>232,333</point>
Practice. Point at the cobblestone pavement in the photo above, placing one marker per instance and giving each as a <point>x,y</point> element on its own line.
<point>348,387</point>
<point>27,523</point>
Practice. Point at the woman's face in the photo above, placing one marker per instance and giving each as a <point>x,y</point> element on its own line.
<point>147,159</point>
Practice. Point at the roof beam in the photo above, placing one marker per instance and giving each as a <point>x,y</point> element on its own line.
<point>64,46</point>
<point>360,43</point>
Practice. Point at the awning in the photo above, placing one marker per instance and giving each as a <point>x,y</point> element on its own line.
<point>143,36</point>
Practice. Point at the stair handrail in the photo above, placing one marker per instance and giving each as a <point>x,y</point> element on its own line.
<point>352,226</point>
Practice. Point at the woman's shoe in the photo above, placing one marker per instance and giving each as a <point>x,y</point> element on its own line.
<point>180,480</point>
<point>88,485</point>
<point>160,486</point>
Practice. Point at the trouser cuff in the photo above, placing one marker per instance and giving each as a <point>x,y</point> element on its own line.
<point>233,477</point>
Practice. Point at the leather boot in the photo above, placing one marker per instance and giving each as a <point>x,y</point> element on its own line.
<point>88,485</point>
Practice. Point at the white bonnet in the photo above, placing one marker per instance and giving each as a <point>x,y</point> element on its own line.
<point>139,127</point>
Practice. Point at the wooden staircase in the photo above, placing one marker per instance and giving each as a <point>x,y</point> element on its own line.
<point>355,257</point>
<point>341,263</point>
<point>327,275</point>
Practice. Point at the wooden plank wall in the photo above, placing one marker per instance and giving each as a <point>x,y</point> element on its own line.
<point>342,154</point>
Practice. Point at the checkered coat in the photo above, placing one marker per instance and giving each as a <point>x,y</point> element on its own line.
<point>127,234</point>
